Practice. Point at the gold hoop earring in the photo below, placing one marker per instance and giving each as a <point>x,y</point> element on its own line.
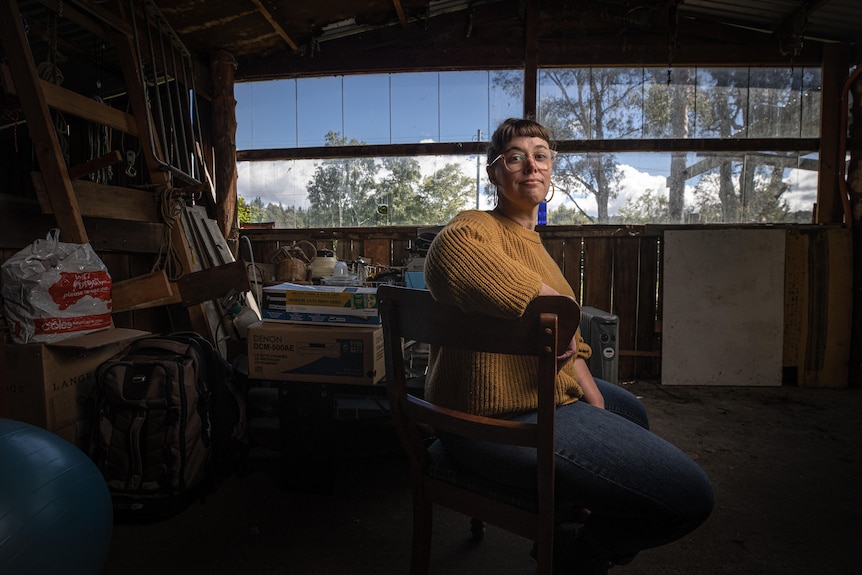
<point>553,191</point>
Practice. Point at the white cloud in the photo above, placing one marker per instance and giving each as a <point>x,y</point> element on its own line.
<point>803,189</point>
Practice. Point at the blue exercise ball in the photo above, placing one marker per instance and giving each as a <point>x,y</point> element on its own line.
<point>55,508</point>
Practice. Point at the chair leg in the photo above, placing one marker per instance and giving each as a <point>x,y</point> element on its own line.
<point>544,559</point>
<point>544,547</point>
<point>422,521</point>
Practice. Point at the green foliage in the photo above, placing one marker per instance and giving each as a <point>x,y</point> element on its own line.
<point>342,191</point>
<point>566,215</point>
<point>648,208</point>
<point>350,192</point>
<point>445,193</point>
<point>243,210</point>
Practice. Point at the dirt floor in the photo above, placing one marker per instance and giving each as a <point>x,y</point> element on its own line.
<point>785,464</point>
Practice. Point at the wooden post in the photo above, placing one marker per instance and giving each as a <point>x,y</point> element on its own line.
<point>854,186</point>
<point>222,68</point>
<point>531,58</point>
<point>834,72</point>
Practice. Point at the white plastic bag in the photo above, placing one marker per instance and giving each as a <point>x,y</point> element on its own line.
<point>53,290</point>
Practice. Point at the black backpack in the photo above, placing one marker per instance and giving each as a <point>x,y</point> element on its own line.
<point>168,424</point>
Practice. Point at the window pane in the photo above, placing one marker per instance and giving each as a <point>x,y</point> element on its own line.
<point>766,187</point>
<point>266,114</point>
<point>318,110</point>
<point>668,95</point>
<point>463,106</point>
<point>721,103</point>
<point>363,191</point>
<point>637,188</point>
<point>591,103</point>
<point>415,108</point>
<point>774,103</point>
<point>811,103</point>
<point>366,108</point>
<point>504,103</point>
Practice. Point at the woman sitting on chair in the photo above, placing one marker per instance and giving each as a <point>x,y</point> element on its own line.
<point>635,490</point>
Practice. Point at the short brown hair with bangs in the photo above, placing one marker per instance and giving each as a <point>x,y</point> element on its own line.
<point>515,128</point>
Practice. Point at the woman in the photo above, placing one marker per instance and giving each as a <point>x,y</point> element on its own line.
<point>639,490</point>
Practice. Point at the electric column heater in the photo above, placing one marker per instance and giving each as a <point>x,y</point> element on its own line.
<point>600,330</point>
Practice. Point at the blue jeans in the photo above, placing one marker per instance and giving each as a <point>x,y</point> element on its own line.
<point>641,491</point>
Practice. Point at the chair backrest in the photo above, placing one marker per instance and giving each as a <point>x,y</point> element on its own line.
<point>544,331</point>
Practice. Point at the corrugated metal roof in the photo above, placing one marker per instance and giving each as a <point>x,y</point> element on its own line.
<point>256,29</point>
<point>836,20</point>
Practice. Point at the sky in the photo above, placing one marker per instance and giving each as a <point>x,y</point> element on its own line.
<point>409,108</point>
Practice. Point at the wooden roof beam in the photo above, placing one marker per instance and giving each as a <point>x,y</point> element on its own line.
<point>400,9</point>
<point>791,32</point>
<point>275,25</point>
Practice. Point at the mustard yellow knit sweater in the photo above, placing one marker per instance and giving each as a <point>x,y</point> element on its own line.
<point>485,262</point>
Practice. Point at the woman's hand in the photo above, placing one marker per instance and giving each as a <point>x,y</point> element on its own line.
<point>592,395</point>
<point>568,353</point>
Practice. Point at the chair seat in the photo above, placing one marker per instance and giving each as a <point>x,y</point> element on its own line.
<point>444,467</point>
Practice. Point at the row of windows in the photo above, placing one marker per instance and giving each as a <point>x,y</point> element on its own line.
<point>580,104</point>
<point>595,103</point>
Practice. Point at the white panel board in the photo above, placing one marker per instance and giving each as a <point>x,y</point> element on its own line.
<point>723,302</point>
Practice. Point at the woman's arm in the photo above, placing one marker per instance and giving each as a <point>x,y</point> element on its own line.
<point>592,395</point>
<point>466,266</point>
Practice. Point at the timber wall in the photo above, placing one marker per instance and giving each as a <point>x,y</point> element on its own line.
<point>614,268</point>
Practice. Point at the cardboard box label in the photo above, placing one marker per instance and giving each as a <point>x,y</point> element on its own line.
<point>322,317</point>
<point>345,298</point>
<point>315,354</point>
<point>48,383</point>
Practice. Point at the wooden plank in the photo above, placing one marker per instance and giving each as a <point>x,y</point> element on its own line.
<point>126,236</point>
<point>22,222</point>
<point>625,298</point>
<point>41,127</point>
<point>275,25</point>
<point>222,67</point>
<point>213,283</point>
<point>96,164</point>
<point>103,201</point>
<point>571,265</point>
<point>555,248</point>
<point>796,298</point>
<point>647,345</point>
<point>377,252</point>
<point>143,292</point>
<point>598,272</point>
<point>829,308</point>
<point>73,103</point>
<point>399,251</point>
<point>216,241</point>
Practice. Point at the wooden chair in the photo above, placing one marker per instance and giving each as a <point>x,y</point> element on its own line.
<point>411,315</point>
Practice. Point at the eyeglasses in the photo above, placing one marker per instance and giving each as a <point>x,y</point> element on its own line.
<point>515,161</point>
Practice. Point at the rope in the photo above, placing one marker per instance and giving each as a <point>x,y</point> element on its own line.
<point>171,207</point>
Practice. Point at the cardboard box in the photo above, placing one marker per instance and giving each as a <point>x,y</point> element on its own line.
<point>311,353</point>
<point>338,305</point>
<point>47,384</point>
